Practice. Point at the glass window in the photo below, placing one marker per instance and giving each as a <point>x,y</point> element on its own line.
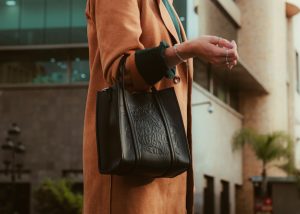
<point>44,66</point>
<point>30,22</point>
<point>9,16</point>
<point>209,196</point>
<point>80,70</point>
<point>220,84</point>
<point>50,71</point>
<point>57,21</point>
<point>215,80</point>
<point>35,71</point>
<point>78,21</point>
<point>225,199</point>
<point>203,74</point>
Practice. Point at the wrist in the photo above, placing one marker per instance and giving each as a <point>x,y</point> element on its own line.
<point>186,50</point>
<point>183,49</point>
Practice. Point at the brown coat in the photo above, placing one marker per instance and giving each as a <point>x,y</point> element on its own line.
<point>116,27</point>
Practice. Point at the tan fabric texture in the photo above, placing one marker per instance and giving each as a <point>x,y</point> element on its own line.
<point>115,27</point>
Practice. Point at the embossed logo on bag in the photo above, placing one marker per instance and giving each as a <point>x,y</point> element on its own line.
<point>148,121</point>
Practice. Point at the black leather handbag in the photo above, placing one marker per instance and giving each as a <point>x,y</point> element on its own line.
<point>140,134</point>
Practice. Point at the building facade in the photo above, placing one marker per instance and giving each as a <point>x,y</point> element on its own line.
<point>44,76</point>
<point>260,93</point>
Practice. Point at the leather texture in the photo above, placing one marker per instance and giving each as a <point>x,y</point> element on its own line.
<point>140,134</point>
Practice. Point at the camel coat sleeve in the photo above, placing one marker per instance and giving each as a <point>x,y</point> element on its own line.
<point>113,43</point>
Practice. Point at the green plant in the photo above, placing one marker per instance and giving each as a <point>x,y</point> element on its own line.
<point>267,147</point>
<point>57,197</point>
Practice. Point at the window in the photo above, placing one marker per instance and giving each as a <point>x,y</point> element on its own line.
<point>54,66</point>
<point>203,74</point>
<point>215,80</point>
<point>238,191</point>
<point>297,73</point>
<point>209,196</point>
<point>225,199</point>
<point>31,22</point>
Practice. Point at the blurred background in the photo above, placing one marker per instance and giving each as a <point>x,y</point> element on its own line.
<point>44,76</point>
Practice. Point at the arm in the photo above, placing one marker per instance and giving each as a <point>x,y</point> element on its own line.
<point>126,19</point>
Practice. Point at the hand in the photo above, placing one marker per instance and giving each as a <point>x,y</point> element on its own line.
<point>211,48</point>
<point>215,49</point>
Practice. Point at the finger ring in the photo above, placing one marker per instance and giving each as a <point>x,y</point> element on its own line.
<point>227,62</point>
<point>218,43</point>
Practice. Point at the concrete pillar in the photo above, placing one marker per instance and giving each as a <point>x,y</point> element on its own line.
<point>263,47</point>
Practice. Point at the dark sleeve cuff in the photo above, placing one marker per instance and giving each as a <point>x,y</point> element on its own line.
<point>151,64</point>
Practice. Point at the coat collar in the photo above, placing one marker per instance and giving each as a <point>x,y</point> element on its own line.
<point>168,21</point>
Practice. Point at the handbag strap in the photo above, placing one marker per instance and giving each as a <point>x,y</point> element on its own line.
<point>131,121</point>
<point>121,74</point>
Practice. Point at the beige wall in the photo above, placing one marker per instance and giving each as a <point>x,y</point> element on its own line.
<point>212,151</point>
<point>262,45</point>
<point>296,32</point>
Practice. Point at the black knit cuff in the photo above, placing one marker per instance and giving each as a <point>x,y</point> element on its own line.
<point>151,64</point>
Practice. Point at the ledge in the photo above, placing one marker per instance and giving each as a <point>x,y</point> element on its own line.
<point>215,100</point>
<point>231,9</point>
<point>42,86</point>
<point>289,179</point>
<point>292,7</point>
<point>241,78</point>
<point>42,47</point>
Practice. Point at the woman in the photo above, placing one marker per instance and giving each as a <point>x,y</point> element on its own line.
<point>146,30</point>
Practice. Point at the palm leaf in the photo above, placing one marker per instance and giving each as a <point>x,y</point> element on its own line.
<point>242,137</point>
<point>267,147</point>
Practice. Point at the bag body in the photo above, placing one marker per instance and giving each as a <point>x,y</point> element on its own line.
<point>140,134</point>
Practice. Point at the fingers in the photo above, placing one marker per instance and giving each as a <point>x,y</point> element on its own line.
<point>222,52</point>
<point>219,51</point>
<point>221,42</point>
<point>223,56</point>
<point>231,65</point>
<point>235,47</point>
<point>226,44</point>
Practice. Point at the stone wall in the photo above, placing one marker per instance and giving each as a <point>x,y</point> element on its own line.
<point>51,121</point>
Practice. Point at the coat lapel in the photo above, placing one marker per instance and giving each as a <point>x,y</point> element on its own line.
<point>167,19</point>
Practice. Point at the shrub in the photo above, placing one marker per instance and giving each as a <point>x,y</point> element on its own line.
<point>57,197</point>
